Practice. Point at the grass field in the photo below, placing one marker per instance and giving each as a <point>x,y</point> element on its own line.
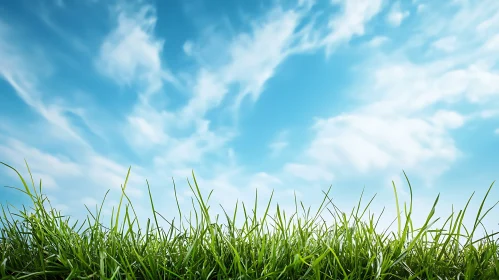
<point>44,245</point>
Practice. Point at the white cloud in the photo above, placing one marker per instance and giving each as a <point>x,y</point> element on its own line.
<point>377,41</point>
<point>247,60</point>
<point>69,179</point>
<point>496,131</point>
<point>187,47</point>
<point>131,52</point>
<point>489,23</point>
<point>254,57</point>
<point>492,44</point>
<point>481,16</point>
<point>279,143</point>
<point>146,130</point>
<point>54,168</point>
<point>308,172</point>
<point>45,15</point>
<point>254,60</point>
<point>396,15</point>
<point>208,93</point>
<point>487,114</point>
<point>421,8</point>
<point>351,22</point>
<point>446,44</point>
<point>193,148</point>
<point>277,147</point>
<point>264,182</point>
<point>23,70</point>
<point>47,181</point>
<point>399,125</point>
<point>23,73</point>
<point>394,131</point>
<point>251,59</point>
<point>369,142</point>
<point>448,119</point>
<point>16,151</point>
<point>439,81</point>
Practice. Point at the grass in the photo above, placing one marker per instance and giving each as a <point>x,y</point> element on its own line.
<point>43,245</point>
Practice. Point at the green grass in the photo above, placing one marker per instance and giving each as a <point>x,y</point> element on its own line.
<point>44,245</point>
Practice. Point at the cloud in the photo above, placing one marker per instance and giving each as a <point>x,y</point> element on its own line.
<point>22,70</point>
<point>250,60</point>
<point>68,179</point>
<point>396,131</point>
<point>421,8</point>
<point>377,41</point>
<point>147,128</point>
<point>253,59</point>
<point>263,179</point>
<point>14,150</point>
<point>131,52</point>
<point>488,23</point>
<point>351,22</point>
<point>46,16</point>
<point>76,168</point>
<point>448,119</point>
<point>401,123</point>
<point>492,44</point>
<point>96,168</point>
<point>396,15</point>
<point>447,44</point>
<point>277,147</point>
<point>308,172</point>
<point>187,47</point>
<point>368,142</point>
<point>208,93</point>
<point>247,60</point>
<point>279,144</point>
<point>201,142</point>
<point>487,114</point>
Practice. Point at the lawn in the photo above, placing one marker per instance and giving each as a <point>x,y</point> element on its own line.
<point>42,244</point>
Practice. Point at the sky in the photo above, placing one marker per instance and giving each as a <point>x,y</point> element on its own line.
<point>286,96</point>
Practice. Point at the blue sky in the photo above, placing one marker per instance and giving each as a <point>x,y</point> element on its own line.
<point>293,96</point>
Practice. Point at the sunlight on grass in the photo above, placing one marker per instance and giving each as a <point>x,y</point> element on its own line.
<point>43,245</point>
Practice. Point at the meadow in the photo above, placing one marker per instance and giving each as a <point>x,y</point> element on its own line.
<point>43,244</point>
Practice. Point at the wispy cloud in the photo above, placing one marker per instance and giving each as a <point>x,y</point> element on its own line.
<point>378,41</point>
<point>397,15</point>
<point>352,21</point>
<point>279,143</point>
<point>447,44</point>
<point>45,15</point>
<point>131,52</point>
<point>23,71</point>
<point>252,59</point>
<point>399,125</point>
